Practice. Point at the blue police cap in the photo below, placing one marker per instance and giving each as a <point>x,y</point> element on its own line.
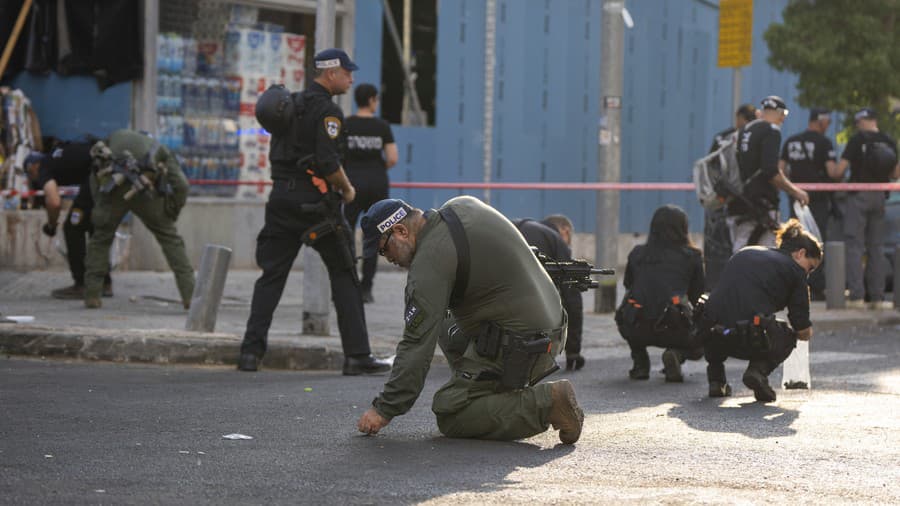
<point>865,113</point>
<point>34,157</point>
<point>380,217</point>
<point>332,58</point>
<point>773,102</point>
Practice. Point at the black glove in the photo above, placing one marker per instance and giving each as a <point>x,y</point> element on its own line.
<point>49,230</point>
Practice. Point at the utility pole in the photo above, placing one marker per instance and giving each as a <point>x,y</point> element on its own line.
<point>610,150</point>
<point>316,286</point>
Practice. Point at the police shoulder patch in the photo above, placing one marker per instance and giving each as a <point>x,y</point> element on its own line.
<point>413,316</point>
<point>332,126</point>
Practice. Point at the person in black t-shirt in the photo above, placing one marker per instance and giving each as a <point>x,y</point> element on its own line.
<point>716,239</point>
<point>371,151</point>
<point>808,157</point>
<point>752,216</point>
<point>69,164</point>
<point>663,280</point>
<point>758,282</point>
<point>863,225</point>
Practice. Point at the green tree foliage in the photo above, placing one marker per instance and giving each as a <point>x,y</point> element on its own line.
<point>846,54</point>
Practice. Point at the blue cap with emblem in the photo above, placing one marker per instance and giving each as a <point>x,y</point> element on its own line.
<point>33,157</point>
<point>333,58</point>
<point>380,217</point>
<point>865,113</point>
<point>773,102</point>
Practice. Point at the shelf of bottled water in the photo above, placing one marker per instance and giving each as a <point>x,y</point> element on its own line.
<point>197,111</point>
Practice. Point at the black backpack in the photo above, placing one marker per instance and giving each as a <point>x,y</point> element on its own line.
<point>878,159</point>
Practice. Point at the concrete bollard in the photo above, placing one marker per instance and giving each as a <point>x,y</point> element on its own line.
<point>835,274</point>
<point>208,290</point>
<point>897,277</point>
<point>316,293</point>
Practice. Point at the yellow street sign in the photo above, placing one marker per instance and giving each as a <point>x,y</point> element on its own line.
<point>735,32</point>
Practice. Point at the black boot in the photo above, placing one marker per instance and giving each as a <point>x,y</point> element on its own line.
<point>672,360</point>
<point>718,386</point>
<point>574,361</point>
<point>757,380</point>
<point>366,364</point>
<point>641,369</point>
<point>248,362</point>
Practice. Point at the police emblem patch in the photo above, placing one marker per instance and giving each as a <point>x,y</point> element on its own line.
<point>332,126</point>
<point>75,216</point>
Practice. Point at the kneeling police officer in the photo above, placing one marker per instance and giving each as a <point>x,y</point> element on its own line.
<point>738,320</point>
<point>478,290</point>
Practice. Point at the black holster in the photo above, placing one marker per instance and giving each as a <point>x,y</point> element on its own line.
<point>518,353</point>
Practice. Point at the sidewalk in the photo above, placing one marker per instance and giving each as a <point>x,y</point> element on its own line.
<point>145,322</point>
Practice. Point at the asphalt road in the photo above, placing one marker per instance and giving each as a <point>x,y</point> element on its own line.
<point>97,433</point>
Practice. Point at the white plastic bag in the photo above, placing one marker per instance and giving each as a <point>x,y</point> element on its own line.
<point>806,219</point>
<point>795,370</point>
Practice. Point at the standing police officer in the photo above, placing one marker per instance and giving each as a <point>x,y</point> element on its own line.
<point>872,158</point>
<point>716,240</point>
<point>808,157</point>
<point>306,166</point>
<point>505,323</point>
<point>128,160</point>
<point>553,237</point>
<point>752,216</point>
<point>738,320</point>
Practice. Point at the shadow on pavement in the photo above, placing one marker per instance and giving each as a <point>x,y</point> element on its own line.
<point>752,419</point>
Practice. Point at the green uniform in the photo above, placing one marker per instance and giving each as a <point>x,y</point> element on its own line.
<point>157,212</point>
<point>507,285</point>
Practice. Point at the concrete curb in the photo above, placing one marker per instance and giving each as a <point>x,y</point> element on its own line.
<point>167,346</point>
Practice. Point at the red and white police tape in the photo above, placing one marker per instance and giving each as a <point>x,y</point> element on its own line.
<point>828,187</point>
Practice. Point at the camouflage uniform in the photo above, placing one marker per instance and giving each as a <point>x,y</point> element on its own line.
<point>508,286</point>
<point>157,212</point>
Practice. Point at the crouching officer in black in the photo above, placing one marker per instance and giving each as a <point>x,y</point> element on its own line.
<point>738,320</point>
<point>663,281</point>
<point>553,237</point>
<point>68,164</point>
<point>303,208</point>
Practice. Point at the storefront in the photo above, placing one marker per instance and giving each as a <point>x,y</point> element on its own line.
<point>206,62</point>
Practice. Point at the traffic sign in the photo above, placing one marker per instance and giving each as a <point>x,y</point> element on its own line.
<point>735,32</point>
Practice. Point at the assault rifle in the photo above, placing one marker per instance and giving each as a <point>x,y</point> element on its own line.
<point>571,273</point>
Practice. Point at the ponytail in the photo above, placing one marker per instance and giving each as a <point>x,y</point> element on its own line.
<point>792,237</point>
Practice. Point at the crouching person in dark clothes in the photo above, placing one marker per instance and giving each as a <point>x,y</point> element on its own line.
<point>476,289</point>
<point>663,281</point>
<point>553,237</point>
<point>738,321</point>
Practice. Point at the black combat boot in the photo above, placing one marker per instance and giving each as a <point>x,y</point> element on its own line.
<point>758,381</point>
<point>672,360</point>
<point>718,386</point>
<point>365,364</point>
<point>248,362</point>
<point>641,369</point>
<point>574,361</point>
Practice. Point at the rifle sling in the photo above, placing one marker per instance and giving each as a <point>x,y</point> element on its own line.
<point>461,242</point>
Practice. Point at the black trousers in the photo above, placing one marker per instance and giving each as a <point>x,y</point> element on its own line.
<point>716,245</point>
<point>717,349</point>
<point>277,246</point>
<point>76,229</point>
<point>367,193</point>
<point>572,302</point>
<point>643,334</point>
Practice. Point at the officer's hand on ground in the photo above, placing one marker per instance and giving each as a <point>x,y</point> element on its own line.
<point>49,230</point>
<point>371,422</point>
<point>801,196</point>
<point>349,194</point>
<point>805,334</point>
